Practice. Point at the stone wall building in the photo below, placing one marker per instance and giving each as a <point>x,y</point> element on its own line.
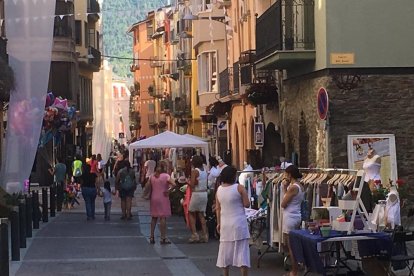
<point>369,77</point>
<point>381,104</point>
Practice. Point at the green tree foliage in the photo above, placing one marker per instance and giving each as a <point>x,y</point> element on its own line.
<point>117,17</point>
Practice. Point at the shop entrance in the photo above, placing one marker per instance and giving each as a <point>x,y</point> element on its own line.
<point>273,147</point>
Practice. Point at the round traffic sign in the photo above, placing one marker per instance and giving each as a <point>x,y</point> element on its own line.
<point>323,103</point>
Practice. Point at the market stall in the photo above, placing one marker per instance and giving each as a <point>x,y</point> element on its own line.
<point>168,139</point>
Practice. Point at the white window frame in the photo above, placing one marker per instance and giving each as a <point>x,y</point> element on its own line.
<point>205,77</point>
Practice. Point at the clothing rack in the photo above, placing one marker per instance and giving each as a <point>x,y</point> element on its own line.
<point>352,205</point>
<point>266,221</point>
<point>328,169</point>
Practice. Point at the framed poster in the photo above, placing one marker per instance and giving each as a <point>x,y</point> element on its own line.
<point>258,134</point>
<point>362,148</point>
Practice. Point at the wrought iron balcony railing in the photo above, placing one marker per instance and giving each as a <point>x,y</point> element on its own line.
<point>286,25</point>
<point>236,78</point>
<point>247,57</point>
<point>93,6</point>
<point>226,79</point>
<point>246,74</point>
<point>96,60</point>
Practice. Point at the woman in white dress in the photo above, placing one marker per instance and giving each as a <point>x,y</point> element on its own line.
<point>372,168</point>
<point>231,199</point>
<point>198,201</point>
<point>293,196</point>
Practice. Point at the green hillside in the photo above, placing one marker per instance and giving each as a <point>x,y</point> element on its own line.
<point>117,16</point>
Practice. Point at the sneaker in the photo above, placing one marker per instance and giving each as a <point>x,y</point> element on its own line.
<point>194,238</point>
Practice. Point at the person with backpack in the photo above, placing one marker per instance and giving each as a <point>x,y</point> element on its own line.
<point>125,185</point>
<point>77,169</point>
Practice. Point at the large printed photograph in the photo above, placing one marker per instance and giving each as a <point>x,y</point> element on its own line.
<point>375,154</point>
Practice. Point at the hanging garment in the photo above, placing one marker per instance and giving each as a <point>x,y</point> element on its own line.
<point>392,209</point>
<point>378,215</point>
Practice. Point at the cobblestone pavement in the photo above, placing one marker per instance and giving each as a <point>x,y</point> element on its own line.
<point>70,245</point>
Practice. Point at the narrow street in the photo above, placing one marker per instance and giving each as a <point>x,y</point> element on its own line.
<point>70,245</point>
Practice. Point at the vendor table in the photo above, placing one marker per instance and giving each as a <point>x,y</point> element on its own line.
<point>305,247</point>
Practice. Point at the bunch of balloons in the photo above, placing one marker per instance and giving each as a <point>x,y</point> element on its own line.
<point>57,118</point>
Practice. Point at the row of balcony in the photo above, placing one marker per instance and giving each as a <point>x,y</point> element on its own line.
<point>231,78</point>
<point>285,37</point>
<point>169,108</point>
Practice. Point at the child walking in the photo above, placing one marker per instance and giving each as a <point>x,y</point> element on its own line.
<point>106,193</point>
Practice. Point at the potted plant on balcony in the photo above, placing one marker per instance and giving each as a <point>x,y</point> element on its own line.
<point>261,93</point>
<point>218,108</point>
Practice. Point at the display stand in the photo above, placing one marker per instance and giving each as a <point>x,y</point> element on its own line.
<point>356,206</point>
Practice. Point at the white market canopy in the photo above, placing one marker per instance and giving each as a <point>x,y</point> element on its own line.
<point>196,137</point>
<point>168,139</point>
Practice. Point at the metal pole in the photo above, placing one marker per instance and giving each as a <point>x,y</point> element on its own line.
<point>45,211</point>
<point>53,200</point>
<point>36,212</point>
<point>22,223</point>
<point>15,240</point>
<point>59,196</point>
<point>29,215</point>
<point>4,247</point>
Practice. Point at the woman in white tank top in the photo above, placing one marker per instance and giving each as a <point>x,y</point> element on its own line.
<point>291,204</point>
<point>231,199</point>
<point>198,201</point>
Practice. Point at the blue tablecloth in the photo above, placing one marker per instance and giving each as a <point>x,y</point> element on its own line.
<point>304,246</point>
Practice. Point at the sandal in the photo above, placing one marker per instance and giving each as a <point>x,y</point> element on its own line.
<point>194,238</point>
<point>151,240</point>
<point>165,241</point>
<point>204,239</point>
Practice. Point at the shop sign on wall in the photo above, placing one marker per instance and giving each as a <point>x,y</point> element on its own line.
<point>342,58</point>
<point>258,134</point>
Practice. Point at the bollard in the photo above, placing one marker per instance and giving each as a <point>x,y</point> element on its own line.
<point>59,196</point>
<point>14,229</point>
<point>53,200</point>
<point>29,215</point>
<point>45,211</point>
<point>36,212</point>
<point>4,247</point>
<point>22,223</point>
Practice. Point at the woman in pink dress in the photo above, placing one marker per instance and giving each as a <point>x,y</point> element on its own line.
<point>160,203</point>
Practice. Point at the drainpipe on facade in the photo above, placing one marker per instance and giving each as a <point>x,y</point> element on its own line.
<point>244,126</point>
<point>280,90</point>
